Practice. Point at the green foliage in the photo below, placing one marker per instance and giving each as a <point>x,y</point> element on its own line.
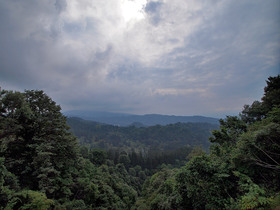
<point>114,187</point>
<point>8,184</point>
<point>257,152</point>
<point>84,187</point>
<point>39,151</point>
<point>196,151</point>
<point>203,183</point>
<point>159,191</point>
<point>242,169</point>
<point>275,201</point>
<point>124,159</point>
<point>151,160</point>
<point>253,195</point>
<point>274,114</point>
<point>271,93</point>
<point>73,205</point>
<point>97,156</point>
<point>230,129</point>
<point>259,110</point>
<point>160,138</point>
<point>41,167</point>
<point>28,199</point>
<point>35,142</point>
<point>253,113</point>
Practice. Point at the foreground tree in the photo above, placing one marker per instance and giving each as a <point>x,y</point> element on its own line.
<point>242,170</point>
<point>41,168</point>
<point>259,110</point>
<point>35,142</point>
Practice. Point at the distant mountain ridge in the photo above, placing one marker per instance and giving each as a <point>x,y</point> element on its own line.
<point>123,119</point>
<point>149,138</point>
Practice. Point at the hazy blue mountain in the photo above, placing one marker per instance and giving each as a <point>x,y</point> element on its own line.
<point>123,119</point>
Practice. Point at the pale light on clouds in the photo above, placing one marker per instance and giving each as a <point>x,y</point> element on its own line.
<point>182,92</point>
<point>133,10</point>
<point>183,57</point>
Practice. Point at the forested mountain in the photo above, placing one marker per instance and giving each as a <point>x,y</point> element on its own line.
<point>122,119</point>
<point>242,170</point>
<point>42,165</point>
<point>159,138</point>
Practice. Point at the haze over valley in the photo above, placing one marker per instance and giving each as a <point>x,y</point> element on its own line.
<point>139,104</point>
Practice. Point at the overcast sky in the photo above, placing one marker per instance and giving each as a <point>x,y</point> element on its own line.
<point>176,57</point>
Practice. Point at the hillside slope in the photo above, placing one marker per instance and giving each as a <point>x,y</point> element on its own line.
<point>123,119</point>
<point>158,137</point>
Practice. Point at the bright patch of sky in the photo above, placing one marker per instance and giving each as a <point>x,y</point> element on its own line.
<point>133,11</point>
<point>181,57</point>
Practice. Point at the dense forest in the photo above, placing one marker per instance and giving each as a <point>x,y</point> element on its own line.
<point>44,167</point>
<point>141,139</point>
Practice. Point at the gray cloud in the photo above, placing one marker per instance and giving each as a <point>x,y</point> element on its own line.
<point>175,57</point>
<point>153,9</point>
<point>60,5</point>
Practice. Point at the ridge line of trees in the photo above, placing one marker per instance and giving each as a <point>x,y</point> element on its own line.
<point>42,165</point>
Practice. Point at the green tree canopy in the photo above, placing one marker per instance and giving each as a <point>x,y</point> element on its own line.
<point>259,110</point>
<point>35,142</point>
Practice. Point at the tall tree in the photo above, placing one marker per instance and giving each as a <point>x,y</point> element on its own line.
<point>271,93</point>
<point>259,110</point>
<point>36,143</point>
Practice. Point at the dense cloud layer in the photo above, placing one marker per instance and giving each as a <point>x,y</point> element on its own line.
<point>169,56</point>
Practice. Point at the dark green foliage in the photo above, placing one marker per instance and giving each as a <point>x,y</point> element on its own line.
<point>40,155</point>
<point>196,151</point>
<point>253,113</point>
<point>154,158</point>
<point>275,201</point>
<point>271,93</point>
<point>242,170</point>
<point>230,129</point>
<point>159,191</point>
<point>204,183</point>
<point>73,205</point>
<point>115,187</point>
<point>160,138</point>
<point>84,187</point>
<point>28,199</point>
<point>257,153</point>
<point>36,145</point>
<point>253,196</point>
<point>124,159</point>
<point>97,156</point>
<point>35,142</point>
<point>259,110</point>
<point>41,166</point>
<point>8,184</point>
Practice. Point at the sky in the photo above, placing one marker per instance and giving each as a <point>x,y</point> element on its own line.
<point>175,57</point>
